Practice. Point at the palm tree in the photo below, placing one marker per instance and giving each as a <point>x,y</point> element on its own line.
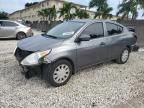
<point>103,10</point>
<point>48,14</point>
<point>130,7</point>
<point>52,13</point>
<point>139,3</point>
<point>66,11</point>
<point>41,14</point>
<point>82,14</point>
<point>126,8</point>
<point>97,4</point>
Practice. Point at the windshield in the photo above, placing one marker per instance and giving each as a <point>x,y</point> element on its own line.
<point>65,30</point>
<point>21,22</point>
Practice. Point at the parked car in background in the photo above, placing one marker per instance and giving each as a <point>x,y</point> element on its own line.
<point>73,45</point>
<point>135,46</point>
<point>13,29</point>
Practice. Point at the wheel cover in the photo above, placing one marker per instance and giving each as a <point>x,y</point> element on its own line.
<point>61,73</point>
<point>125,55</point>
<point>21,36</point>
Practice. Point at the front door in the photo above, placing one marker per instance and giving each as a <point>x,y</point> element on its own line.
<point>7,29</point>
<point>95,50</point>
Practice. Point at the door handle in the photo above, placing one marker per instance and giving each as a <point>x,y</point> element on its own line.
<point>102,43</point>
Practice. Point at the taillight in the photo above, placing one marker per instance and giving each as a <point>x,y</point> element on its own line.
<point>29,30</point>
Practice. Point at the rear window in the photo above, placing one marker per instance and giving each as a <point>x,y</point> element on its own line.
<point>113,29</point>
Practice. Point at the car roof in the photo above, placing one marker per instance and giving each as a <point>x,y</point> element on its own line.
<point>96,20</point>
<point>14,22</point>
<point>90,20</point>
<point>8,20</point>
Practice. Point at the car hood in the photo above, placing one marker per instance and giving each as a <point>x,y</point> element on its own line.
<point>38,43</point>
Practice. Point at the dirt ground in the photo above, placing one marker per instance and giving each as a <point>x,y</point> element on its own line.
<point>101,86</point>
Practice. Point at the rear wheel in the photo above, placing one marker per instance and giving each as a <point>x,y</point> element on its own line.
<point>20,35</point>
<point>124,56</point>
<point>60,73</point>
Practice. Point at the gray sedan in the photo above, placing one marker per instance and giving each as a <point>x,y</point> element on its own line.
<point>73,45</point>
<point>13,29</point>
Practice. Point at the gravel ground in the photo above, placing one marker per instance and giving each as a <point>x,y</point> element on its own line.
<point>100,86</point>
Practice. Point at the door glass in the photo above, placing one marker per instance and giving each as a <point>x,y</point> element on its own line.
<point>9,24</point>
<point>94,30</point>
<point>113,29</point>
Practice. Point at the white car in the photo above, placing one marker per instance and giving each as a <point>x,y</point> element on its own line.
<point>13,29</point>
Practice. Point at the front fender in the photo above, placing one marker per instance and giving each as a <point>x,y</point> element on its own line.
<point>63,52</point>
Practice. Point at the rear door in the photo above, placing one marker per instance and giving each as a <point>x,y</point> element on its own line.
<point>8,29</point>
<point>115,36</point>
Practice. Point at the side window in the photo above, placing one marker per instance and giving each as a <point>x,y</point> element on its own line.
<point>113,29</point>
<point>9,24</point>
<point>94,30</point>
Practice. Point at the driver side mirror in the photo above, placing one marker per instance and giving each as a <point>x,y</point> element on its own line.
<point>83,37</point>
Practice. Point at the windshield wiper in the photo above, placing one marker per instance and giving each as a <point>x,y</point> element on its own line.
<point>50,36</point>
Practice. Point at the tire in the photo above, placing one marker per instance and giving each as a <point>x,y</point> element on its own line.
<point>52,73</point>
<point>20,35</point>
<point>124,56</point>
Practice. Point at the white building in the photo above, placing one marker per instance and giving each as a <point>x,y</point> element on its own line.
<point>31,14</point>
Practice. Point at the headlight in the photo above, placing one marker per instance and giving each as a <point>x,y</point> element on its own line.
<point>34,58</point>
<point>14,51</point>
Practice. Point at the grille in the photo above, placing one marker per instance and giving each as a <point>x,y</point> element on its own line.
<point>21,54</point>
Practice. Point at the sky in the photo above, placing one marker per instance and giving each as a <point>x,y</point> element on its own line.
<point>13,5</point>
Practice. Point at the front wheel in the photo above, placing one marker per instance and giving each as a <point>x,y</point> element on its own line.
<point>124,56</point>
<point>20,35</point>
<point>60,73</point>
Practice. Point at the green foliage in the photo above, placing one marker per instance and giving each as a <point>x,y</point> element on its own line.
<point>97,3</point>
<point>30,4</point>
<point>41,13</point>
<point>66,11</point>
<point>102,8</point>
<point>130,7</point>
<point>3,15</point>
<point>48,13</point>
<point>126,8</point>
<point>82,14</point>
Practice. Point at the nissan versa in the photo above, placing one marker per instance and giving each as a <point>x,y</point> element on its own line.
<point>73,45</point>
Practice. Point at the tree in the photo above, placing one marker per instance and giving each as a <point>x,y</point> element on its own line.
<point>30,4</point>
<point>3,15</point>
<point>67,11</point>
<point>53,13</point>
<point>105,11</point>
<point>41,13</point>
<point>126,8</point>
<point>102,8</point>
<point>130,7</point>
<point>82,14</point>
<point>48,14</point>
